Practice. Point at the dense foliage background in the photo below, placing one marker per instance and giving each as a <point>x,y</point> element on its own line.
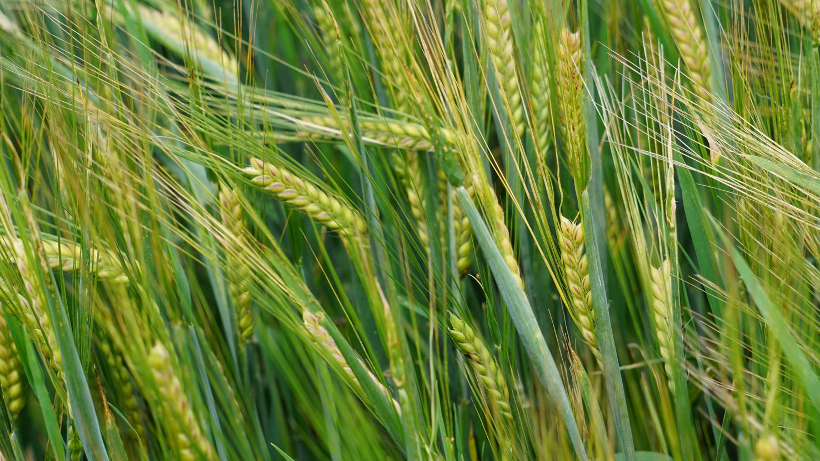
<point>409,229</point>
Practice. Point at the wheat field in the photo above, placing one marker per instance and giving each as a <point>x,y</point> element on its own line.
<point>446,230</point>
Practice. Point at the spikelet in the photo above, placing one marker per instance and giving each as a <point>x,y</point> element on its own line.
<point>573,127</point>
<point>409,173</point>
<point>323,208</point>
<point>178,417</point>
<point>571,239</point>
<point>11,371</point>
<point>386,31</point>
<point>203,46</point>
<point>490,376</point>
<point>75,445</point>
<point>326,25</point>
<point>661,306</point>
<point>393,133</point>
<point>121,380</point>
<point>688,34</point>
<point>67,256</point>
<point>464,233</point>
<point>497,225</point>
<point>238,273</point>
<point>461,225</point>
<point>540,93</point>
<point>498,32</point>
<point>37,318</point>
<point>324,341</point>
<point>615,234</point>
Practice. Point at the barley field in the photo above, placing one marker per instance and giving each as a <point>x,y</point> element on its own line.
<point>446,230</point>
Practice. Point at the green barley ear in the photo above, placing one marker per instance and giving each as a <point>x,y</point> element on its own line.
<point>490,376</point>
<point>540,93</point>
<point>409,173</point>
<point>178,35</point>
<point>11,371</point>
<point>318,205</point>
<point>660,304</point>
<point>326,25</point>
<point>615,232</point>
<point>178,417</point>
<point>461,225</point>
<point>322,338</point>
<point>36,315</point>
<point>238,273</point>
<point>67,256</point>
<point>495,221</point>
<point>388,132</point>
<point>570,93</point>
<point>319,335</point>
<point>120,378</point>
<point>388,32</point>
<point>573,255</point>
<point>498,32</point>
<point>464,237</point>
<point>689,38</point>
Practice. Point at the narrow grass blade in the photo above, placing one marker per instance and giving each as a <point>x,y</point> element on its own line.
<point>798,178</point>
<point>524,320</point>
<point>606,339</point>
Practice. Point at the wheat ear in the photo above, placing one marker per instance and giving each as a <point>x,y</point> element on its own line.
<point>67,256</point>
<point>661,305</point>
<point>688,35</point>
<point>388,38</point>
<point>318,205</point>
<point>573,255</point>
<point>10,370</point>
<point>324,341</point>
<point>326,25</point>
<point>496,223</point>
<point>464,236</point>
<point>392,133</point>
<point>121,380</point>
<point>461,226</point>
<point>203,45</point>
<point>179,418</point>
<point>573,127</point>
<point>490,376</point>
<point>238,274</point>
<point>409,173</point>
<point>498,32</point>
<point>615,233</point>
<point>37,318</point>
<point>540,93</point>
